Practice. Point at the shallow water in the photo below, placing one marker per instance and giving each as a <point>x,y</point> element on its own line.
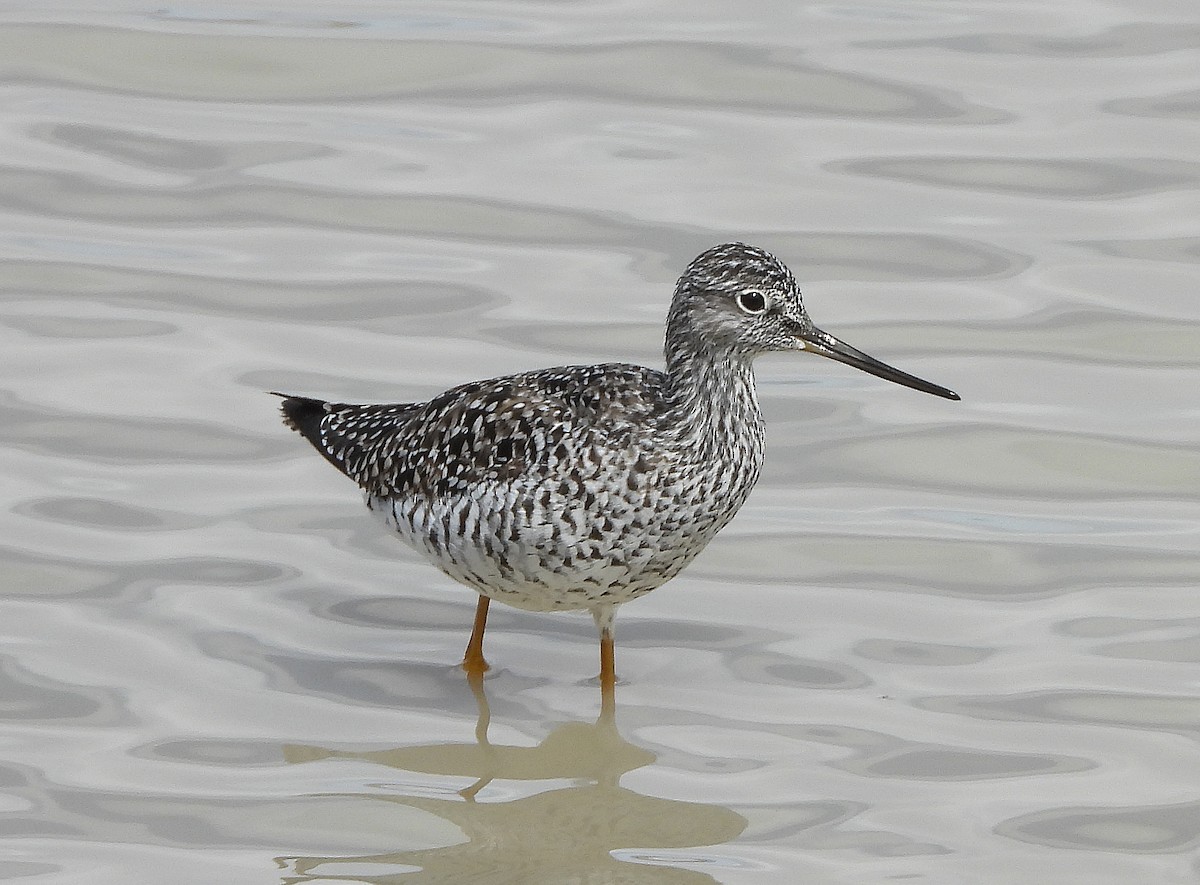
<point>950,642</point>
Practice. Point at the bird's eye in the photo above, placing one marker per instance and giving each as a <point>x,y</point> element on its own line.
<point>752,302</point>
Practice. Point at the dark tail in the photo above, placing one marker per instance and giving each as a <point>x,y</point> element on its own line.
<point>304,415</point>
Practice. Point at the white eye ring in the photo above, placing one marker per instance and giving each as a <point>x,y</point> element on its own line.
<point>752,301</point>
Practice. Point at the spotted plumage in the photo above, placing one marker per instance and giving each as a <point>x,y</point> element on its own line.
<point>583,487</point>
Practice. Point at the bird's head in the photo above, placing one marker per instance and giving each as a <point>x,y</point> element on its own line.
<point>738,301</point>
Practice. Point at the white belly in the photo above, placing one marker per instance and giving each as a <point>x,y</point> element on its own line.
<point>566,560</point>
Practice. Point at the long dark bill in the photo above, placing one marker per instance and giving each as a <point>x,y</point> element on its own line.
<point>824,344</point>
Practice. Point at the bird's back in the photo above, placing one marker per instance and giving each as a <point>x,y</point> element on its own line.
<point>483,431</point>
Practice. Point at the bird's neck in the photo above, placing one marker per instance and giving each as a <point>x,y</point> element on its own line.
<point>712,397</point>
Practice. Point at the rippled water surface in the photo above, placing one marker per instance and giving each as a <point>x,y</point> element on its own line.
<point>943,642</point>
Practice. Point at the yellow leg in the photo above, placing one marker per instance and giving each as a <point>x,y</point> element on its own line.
<point>473,661</point>
<point>608,677</point>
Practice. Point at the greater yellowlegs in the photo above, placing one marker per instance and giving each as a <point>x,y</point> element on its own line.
<point>584,487</point>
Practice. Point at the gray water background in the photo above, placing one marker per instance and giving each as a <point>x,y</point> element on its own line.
<point>950,643</point>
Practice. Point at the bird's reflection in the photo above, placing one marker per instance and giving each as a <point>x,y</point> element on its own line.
<point>561,834</point>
